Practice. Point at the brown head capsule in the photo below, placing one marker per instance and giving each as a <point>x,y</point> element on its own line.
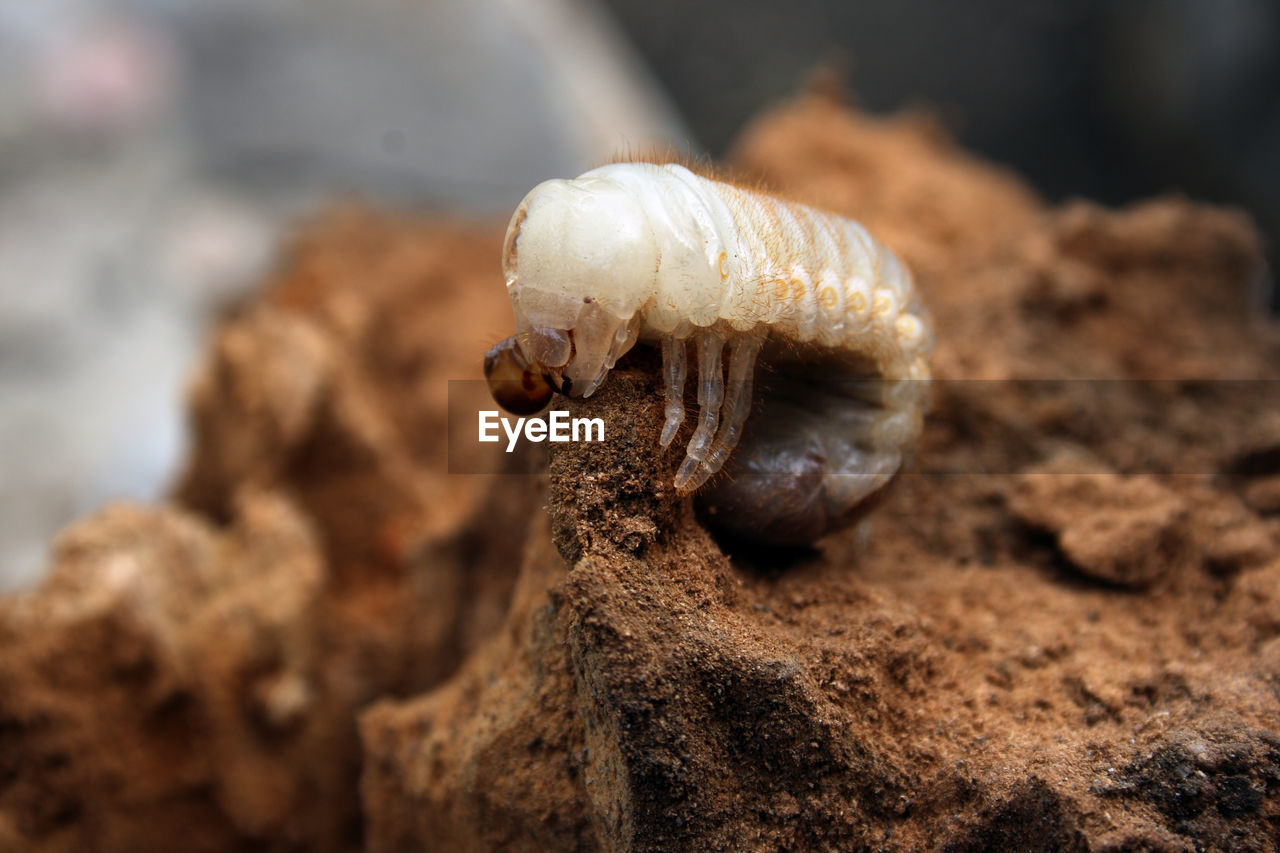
<point>517,385</point>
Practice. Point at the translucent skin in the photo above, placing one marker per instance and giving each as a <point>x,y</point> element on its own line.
<point>638,250</point>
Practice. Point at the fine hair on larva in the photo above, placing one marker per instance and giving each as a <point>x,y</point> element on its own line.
<point>654,252</point>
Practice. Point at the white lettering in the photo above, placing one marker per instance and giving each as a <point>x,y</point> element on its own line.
<point>512,434</point>
<point>587,424</point>
<point>489,423</point>
<point>559,425</point>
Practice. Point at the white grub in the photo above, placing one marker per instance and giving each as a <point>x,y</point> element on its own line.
<point>655,252</point>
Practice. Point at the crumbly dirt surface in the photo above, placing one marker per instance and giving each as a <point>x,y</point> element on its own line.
<point>1059,631</point>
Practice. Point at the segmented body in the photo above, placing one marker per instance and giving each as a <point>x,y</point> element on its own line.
<point>655,252</point>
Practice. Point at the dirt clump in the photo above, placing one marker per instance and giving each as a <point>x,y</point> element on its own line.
<point>1122,530</point>
<point>1059,631</point>
<point>190,675</point>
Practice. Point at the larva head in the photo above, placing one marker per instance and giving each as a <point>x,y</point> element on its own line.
<point>516,386</point>
<point>579,261</point>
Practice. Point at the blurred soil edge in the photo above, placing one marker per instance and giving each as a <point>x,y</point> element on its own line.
<point>325,642</point>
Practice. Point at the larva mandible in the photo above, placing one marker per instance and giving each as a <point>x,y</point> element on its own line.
<point>642,251</point>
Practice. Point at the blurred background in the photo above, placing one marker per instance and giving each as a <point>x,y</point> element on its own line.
<point>154,152</point>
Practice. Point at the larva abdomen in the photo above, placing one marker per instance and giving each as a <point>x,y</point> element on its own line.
<point>654,252</point>
<point>819,277</point>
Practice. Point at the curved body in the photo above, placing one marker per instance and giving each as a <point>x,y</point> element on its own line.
<point>643,251</point>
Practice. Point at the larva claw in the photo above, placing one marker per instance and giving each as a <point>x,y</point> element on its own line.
<point>669,429</point>
<point>690,474</point>
<point>710,344</point>
<point>737,401</point>
<point>674,369</point>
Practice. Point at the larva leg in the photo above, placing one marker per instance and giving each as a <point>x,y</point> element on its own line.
<point>674,368</point>
<point>710,395</point>
<point>737,405</point>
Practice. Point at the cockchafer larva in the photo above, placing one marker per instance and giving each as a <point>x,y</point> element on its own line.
<point>642,251</point>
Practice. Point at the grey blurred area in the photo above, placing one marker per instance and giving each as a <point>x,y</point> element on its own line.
<point>1105,99</point>
<point>154,152</point>
<point>456,105</point>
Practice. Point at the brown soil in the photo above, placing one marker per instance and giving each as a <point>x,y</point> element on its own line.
<point>1062,631</point>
